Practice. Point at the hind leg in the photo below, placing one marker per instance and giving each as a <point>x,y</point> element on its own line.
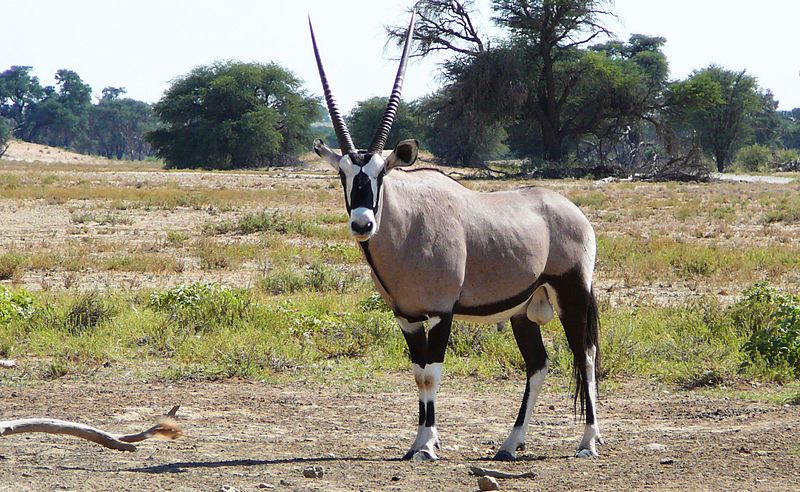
<point>578,313</point>
<point>529,340</point>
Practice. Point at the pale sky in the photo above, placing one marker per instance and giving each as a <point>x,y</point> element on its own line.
<point>143,44</point>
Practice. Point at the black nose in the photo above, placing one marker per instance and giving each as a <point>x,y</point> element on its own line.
<point>361,229</point>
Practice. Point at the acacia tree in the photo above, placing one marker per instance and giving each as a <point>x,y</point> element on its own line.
<point>717,106</point>
<point>61,117</point>
<point>5,135</point>
<point>366,115</point>
<point>19,90</point>
<point>548,35</point>
<point>117,126</point>
<point>232,114</point>
<point>542,82</point>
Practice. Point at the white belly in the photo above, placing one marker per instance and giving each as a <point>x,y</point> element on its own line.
<point>539,308</point>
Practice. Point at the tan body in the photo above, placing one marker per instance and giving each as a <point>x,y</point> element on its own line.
<point>443,248</point>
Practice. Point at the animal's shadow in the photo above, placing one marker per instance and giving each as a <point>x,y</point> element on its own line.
<point>181,467</point>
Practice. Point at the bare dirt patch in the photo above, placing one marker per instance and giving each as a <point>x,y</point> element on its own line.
<point>31,152</point>
<point>246,434</point>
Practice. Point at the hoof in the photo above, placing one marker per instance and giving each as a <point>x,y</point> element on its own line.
<point>586,453</point>
<point>420,455</point>
<point>504,455</point>
<point>423,455</point>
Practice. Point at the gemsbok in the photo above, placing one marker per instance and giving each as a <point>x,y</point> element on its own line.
<point>439,251</point>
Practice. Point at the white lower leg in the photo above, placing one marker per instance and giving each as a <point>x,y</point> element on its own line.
<point>517,436</point>
<point>591,432</point>
<point>428,380</point>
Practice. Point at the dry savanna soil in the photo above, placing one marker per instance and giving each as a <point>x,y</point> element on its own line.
<point>69,226</point>
<point>251,435</point>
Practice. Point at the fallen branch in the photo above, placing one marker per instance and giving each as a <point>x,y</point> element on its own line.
<point>166,428</point>
<point>488,472</point>
<point>7,364</point>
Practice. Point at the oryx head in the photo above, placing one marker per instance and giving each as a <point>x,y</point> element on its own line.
<point>362,171</point>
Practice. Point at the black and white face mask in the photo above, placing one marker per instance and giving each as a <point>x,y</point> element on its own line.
<point>362,177</point>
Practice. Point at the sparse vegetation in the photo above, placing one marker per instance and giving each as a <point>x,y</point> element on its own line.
<point>307,300</point>
<point>209,331</point>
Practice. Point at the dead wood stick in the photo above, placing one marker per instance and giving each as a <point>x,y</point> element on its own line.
<point>488,472</point>
<point>7,364</point>
<point>166,428</point>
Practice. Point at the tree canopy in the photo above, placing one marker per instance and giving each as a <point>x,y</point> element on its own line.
<point>64,116</point>
<point>117,125</point>
<point>232,114</point>
<point>717,105</point>
<point>364,118</point>
<point>558,84</point>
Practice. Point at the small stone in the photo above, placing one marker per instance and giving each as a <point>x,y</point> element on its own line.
<point>656,447</point>
<point>315,471</point>
<point>228,488</point>
<point>488,483</point>
<point>667,461</point>
<point>395,478</point>
<point>286,483</point>
<point>552,407</point>
<point>264,485</point>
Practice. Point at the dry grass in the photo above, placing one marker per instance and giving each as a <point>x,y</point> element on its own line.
<point>161,228</point>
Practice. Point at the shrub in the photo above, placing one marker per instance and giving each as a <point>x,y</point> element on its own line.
<point>264,221</point>
<point>11,264</point>
<point>319,277</point>
<point>282,281</point>
<point>17,304</point>
<point>86,312</point>
<point>771,321</point>
<point>753,157</point>
<point>201,307</point>
<point>374,303</point>
<point>784,156</point>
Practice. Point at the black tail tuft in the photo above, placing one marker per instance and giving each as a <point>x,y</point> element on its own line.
<point>591,338</point>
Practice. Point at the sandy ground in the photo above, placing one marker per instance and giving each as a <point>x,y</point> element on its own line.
<point>253,435</point>
<point>30,152</point>
<point>747,178</point>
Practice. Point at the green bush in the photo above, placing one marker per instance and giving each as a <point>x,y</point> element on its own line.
<point>753,157</point>
<point>202,307</point>
<point>783,156</point>
<point>374,302</point>
<point>771,321</point>
<point>319,277</point>
<point>18,304</point>
<point>264,221</point>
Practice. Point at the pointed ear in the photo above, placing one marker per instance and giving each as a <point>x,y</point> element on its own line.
<point>404,154</point>
<point>331,157</point>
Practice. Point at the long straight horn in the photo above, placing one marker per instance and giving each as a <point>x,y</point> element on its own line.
<point>339,126</point>
<point>379,141</point>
